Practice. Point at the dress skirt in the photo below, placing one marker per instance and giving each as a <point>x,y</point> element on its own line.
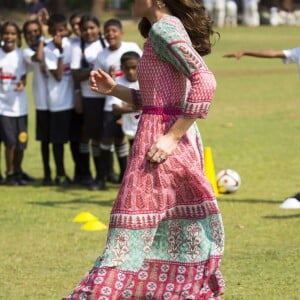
<point>166,238</point>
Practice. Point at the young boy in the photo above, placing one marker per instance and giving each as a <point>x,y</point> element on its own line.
<point>127,124</point>
<point>61,91</point>
<point>288,56</point>
<point>109,61</point>
<point>129,120</point>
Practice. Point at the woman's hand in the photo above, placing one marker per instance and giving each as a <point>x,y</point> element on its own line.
<point>162,149</point>
<point>101,82</point>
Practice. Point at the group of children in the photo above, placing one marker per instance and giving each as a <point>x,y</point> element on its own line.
<point>67,111</point>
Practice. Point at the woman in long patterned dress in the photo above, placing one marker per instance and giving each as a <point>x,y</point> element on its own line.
<point>165,239</point>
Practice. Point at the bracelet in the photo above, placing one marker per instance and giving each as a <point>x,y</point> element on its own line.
<point>41,38</point>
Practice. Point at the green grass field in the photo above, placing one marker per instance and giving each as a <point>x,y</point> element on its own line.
<point>253,127</point>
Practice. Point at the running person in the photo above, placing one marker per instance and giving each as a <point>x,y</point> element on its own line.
<point>166,238</point>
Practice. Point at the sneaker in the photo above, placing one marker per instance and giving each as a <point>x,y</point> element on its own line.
<point>63,181</point>
<point>87,181</point>
<point>290,203</point>
<point>11,180</point>
<point>20,179</point>
<point>98,185</point>
<point>113,177</point>
<point>2,181</point>
<point>27,177</point>
<point>76,180</point>
<point>47,181</point>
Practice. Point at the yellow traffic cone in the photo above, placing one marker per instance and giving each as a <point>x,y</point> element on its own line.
<point>84,217</point>
<point>210,169</point>
<point>94,226</point>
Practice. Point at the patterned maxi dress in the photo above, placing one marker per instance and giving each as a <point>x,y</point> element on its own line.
<point>165,239</point>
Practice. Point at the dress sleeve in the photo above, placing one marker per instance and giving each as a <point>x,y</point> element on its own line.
<point>172,45</point>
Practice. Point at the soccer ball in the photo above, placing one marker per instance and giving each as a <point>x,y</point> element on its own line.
<point>228,181</point>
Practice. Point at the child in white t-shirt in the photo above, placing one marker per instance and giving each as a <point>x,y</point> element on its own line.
<point>34,56</point>
<point>80,169</point>
<point>13,101</point>
<point>109,61</point>
<point>57,55</point>
<point>129,118</point>
<point>84,55</point>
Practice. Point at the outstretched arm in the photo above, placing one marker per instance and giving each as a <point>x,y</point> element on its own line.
<point>259,53</point>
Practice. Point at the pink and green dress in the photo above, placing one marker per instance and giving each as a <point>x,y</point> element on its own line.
<point>165,238</point>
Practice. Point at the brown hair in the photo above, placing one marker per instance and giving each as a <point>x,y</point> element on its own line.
<point>195,20</point>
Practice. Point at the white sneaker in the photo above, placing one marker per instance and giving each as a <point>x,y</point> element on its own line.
<point>290,203</point>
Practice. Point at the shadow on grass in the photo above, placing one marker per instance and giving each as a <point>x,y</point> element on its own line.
<point>282,217</point>
<point>247,201</point>
<point>82,200</point>
<point>262,201</point>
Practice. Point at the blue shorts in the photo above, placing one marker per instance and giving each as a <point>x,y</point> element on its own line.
<point>13,131</point>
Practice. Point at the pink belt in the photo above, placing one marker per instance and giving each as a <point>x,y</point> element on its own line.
<point>163,111</point>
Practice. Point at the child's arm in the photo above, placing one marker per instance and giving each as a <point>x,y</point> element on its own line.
<point>120,110</point>
<point>259,53</point>
<point>80,75</point>
<point>39,54</point>
<point>58,73</point>
<point>43,17</point>
<point>20,86</point>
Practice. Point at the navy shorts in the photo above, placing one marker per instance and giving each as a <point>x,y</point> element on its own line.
<point>76,127</point>
<point>92,117</point>
<point>60,124</point>
<point>13,131</point>
<point>111,129</point>
<point>42,128</point>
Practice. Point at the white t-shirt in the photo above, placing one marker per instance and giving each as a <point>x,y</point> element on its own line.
<point>61,93</point>
<point>91,51</point>
<point>39,80</point>
<point>75,40</point>
<point>12,103</point>
<point>292,56</point>
<point>129,120</point>
<point>111,58</point>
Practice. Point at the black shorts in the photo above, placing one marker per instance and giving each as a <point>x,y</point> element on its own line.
<point>60,123</point>
<point>92,117</point>
<point>111,129</point>
<point>13,131</point>
<point>42,128</point>
<point>76,127</point>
